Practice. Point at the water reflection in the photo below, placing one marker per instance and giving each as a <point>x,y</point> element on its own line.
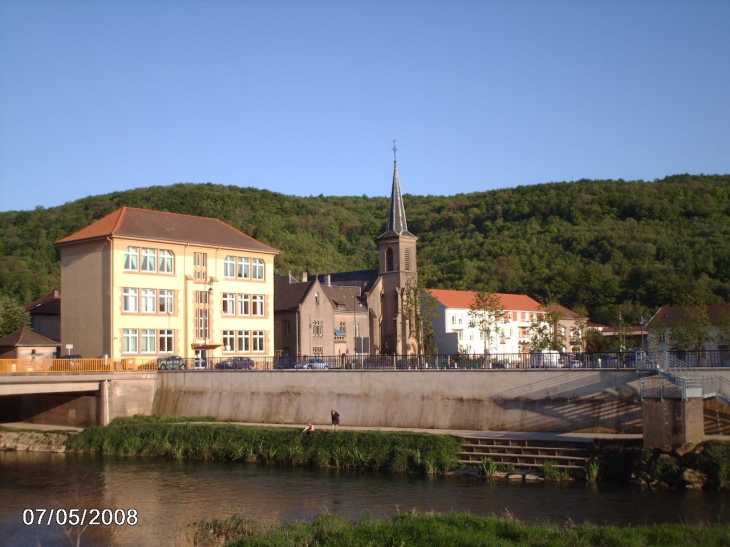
<point>169,495</point>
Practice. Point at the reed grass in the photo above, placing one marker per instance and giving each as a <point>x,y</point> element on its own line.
<point>366,450</point>
<point>462,529</point>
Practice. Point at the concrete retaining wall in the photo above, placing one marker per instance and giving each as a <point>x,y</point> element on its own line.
<point>509,400</point>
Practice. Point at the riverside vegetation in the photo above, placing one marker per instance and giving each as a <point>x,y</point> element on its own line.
<point>161,436</point>
<point>705,466</point>
<point>447,530</point>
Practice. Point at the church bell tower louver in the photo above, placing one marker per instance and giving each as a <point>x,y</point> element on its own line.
<point>399,271</point>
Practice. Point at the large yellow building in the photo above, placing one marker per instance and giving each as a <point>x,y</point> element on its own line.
<point>142,283</point>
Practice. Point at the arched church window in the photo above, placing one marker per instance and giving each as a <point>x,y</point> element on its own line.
<point>316,298</point>
<point>389,260</point>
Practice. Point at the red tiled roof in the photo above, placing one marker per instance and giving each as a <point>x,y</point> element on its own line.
<point>25,337</point>
<point>564,310</point>
<point>463,299</point>
<point>163,226</point>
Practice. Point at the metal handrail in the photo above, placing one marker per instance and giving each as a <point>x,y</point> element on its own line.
<point>9,366</point>
<point>668,364</point>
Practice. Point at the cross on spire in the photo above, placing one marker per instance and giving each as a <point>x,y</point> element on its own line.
<point>394,150</point>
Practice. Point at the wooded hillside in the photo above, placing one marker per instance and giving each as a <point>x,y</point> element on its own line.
<point>594,246</point>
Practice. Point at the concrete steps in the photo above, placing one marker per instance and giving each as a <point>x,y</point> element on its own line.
<point>524,454</point>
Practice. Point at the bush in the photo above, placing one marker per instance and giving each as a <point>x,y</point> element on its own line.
<point>370,450</point>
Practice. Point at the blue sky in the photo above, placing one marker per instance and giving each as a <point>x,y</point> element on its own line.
<point>305,98</point>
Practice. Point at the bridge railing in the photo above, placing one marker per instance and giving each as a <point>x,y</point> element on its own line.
<point>77,365</point>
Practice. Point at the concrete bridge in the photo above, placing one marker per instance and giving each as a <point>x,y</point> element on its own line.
<point>76,399</point>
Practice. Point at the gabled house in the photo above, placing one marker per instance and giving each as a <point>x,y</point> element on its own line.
<point>697,328</point>
<point>315,318</point>
<point>143,283</point>
<point>510,334</point>
<point>26,344</point>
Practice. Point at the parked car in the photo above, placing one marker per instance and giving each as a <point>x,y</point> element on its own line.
<point>312,364</point>
<point>286,362</point>
<point>171,362</point>
<point>548,358</point>
<point>239,363</point>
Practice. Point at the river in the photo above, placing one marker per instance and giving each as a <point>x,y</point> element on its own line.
<point>169,495</point>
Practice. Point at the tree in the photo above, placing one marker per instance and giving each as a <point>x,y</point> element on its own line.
<point>578,334</point>
<point>594,341</point>
<point>12,316</point>
<point>421,309</point>
<point>544,330</point>
<point>485,314</point>
<point>693,331</point>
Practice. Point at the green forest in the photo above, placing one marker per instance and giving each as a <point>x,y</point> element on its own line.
<point>596,246</point>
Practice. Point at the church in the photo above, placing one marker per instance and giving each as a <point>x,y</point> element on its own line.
<point>361,312</point>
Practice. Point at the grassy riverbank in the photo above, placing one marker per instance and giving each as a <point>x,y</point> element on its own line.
<point>447,530</point>
<point>160,436</point>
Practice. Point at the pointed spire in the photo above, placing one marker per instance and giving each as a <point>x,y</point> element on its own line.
<point>397,219</point>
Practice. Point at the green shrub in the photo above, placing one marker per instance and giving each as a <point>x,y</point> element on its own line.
<point>437,530</point>
<point>488,467</point>
<point>591,471</point>
<point>374,450</point>
<point>713,459</point>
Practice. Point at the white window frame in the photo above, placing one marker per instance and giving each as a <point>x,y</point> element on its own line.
<point>130,340</point>
<point>244,304</point>
<point>149,301</point>
<point>244,341</point>
<point>131,259</point>
<point>229,341</point>
<point>229,267</point>
<point>257,305</point>
<point>130,300</point>
<point>167,301</point>
<point>149,341</point>
<point>167,261</point>
<point>229,303</point>
<point>258,340</point>
<point>149,260</point>
<point>244,268</point>
<point>168,336</point>
<point>258,269</point>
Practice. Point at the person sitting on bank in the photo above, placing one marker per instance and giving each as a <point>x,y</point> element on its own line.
<point>335,419</point>
<point>308,430</point>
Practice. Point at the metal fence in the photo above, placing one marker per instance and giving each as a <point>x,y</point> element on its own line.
<point>494,361</point>
<point>76,365</point>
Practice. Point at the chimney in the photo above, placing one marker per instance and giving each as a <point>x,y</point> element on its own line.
<point>327,280</point>
<point>56,294</point>
<point>304,277</point>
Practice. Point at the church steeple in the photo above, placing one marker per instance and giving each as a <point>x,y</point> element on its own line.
<point>398,274</point>
<point>397,219</point>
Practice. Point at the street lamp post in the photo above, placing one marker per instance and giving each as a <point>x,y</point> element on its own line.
<point>207,329</point>
<point>354,329</point>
